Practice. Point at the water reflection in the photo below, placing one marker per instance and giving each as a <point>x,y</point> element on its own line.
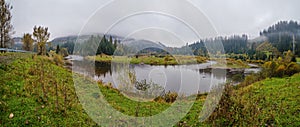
<point>184,79</point>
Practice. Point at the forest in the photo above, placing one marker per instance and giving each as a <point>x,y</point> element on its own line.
<point>272,41</point>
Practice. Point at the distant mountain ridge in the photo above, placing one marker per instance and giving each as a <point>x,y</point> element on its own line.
<point>80,38</point>
<point>284,35</point>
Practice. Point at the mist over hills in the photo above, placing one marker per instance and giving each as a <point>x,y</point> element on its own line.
<point>284,35</point>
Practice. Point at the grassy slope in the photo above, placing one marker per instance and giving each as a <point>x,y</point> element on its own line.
<point>270,102</point>
<point>21,94</point>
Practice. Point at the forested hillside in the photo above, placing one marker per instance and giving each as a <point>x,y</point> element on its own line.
<point>284,35</point>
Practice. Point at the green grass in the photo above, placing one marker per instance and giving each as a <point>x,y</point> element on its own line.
<point>269,102</point>
<point>298,59</point>
<point>151,60</point>
<point>21,93</point>
<point>22,76</point>
<point>230,63</point>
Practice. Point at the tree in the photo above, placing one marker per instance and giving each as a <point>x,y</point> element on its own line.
<point>27,42</point>
<point>106,47</point>
<point>289,57</point>
<point>41,35</point>
<point>64,52</point>
<point>110,39</point>
<point>284,35</point>
<point>5,25</point>
<point>70,46</point>
<point>115,43</point>
<point>268,49</point>
<point>57,49</point>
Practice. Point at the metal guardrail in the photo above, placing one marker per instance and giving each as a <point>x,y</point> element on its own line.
<point>14,50</point>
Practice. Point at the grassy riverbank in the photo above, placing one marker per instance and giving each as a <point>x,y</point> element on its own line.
<point>230,63</point>
<point>151,60</point>
<point>37,92</point>
<point>170,60</point>
<point>271,102</point>
<point>24,101</point>
<point>26,78</point>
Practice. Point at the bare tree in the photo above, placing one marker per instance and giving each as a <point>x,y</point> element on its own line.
<point>27,42</point>
<point>41,36</point>
<point>5,25</point>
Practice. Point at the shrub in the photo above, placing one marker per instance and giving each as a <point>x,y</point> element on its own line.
<point>168,97</point>
<point>292,68</point>
<point>252,79</point>
<point>237,78</point>
<point>269,68</point>
<point>168,58</point>
<point>142,85</point>
<point>58,59</point>
<point>222,115</point>
<point>64,52</point>
<point>280,71</point>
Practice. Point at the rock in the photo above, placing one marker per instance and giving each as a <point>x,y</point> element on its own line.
<point>11,115</point>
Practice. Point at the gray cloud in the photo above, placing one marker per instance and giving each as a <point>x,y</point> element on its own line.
<point>67,17</point>
<point>248,16</point>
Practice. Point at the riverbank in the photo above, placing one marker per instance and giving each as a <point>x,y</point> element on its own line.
<point>36,92</point>
<point>23,101</point>
<point>230,64</point>
<point>150,60</point>
<point>170,60</point>
<point>271,102</point>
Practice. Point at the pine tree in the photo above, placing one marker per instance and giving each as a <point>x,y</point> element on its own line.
<point>110,39</point>
<point>57,49</point>
<point>116,43</point>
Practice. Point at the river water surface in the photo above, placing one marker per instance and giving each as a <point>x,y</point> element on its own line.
<point>184,79</point>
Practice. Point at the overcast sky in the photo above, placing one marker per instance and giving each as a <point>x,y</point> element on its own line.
<point>226,17</point>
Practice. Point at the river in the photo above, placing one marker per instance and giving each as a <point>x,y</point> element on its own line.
<point>184,79</point>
